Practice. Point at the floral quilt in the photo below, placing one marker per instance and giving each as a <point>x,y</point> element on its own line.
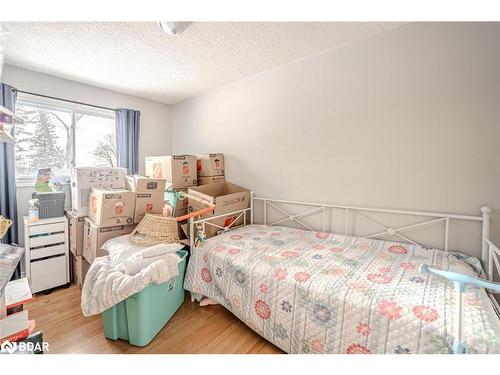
<point>314,292</point>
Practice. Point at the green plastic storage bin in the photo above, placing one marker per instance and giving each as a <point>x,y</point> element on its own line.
<point>139,318</point>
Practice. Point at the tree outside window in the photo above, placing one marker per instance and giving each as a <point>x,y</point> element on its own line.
<point>62,137</point>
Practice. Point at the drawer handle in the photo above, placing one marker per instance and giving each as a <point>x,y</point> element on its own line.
<point>46,234</point>
<point>46,246</point>
<point>45,258</point>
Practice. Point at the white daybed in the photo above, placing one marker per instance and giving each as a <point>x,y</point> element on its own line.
<point>310,291</point>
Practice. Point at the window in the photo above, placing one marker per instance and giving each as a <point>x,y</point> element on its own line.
<point>62,135</point>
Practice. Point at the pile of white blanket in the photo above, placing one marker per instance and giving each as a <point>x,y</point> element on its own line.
<point>127,270</point>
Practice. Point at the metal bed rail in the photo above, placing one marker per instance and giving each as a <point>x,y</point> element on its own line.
<point>208,221</point>
<point>364,212</point>
<point>488,257</point>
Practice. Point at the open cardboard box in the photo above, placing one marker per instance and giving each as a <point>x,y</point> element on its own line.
<point>211,180</point>
<point>227,198</point>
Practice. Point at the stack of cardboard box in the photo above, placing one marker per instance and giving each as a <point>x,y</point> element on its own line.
<point>180,173</point>
<point>114,213</point>
<point>210,168</point>
<point>111,214</point>
<point>82,181</point>
<point>184,172</point>
<point>107,204</point>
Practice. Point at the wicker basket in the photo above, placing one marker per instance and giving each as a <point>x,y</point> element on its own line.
<point>155,229</point>
<point>4,226</point>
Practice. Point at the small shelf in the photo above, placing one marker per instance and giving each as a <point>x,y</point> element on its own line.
<point>9,113</point>
<point>6,111</point>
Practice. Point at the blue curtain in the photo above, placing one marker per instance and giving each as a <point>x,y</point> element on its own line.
<point>127,139</point>
<point>8,201</point>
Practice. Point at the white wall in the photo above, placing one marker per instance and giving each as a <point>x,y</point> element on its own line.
<point>407,119</point>
<point>155,132</point>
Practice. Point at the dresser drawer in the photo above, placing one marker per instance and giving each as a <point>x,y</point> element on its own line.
<point>46,228</point>
<point>48,251</point>
<point>51,239</point>
<point>48,273</point>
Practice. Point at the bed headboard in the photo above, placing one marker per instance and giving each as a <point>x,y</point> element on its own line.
<point>489,252</point>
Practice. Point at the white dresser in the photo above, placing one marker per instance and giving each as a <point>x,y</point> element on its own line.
<point>46,257</point>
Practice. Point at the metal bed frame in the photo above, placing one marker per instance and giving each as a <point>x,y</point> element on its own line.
<point>490,254</point>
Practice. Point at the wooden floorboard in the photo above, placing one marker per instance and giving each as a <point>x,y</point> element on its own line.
<point>193,329</point>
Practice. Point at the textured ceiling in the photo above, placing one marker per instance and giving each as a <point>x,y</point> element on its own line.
<point>139,59</point>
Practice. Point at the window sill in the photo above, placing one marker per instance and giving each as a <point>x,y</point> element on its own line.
<point>25,182</point>
<point>25,185</point>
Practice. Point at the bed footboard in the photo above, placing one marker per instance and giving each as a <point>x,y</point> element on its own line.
<point>201,224</point>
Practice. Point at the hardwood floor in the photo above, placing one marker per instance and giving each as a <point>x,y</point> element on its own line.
<point>193,329</point>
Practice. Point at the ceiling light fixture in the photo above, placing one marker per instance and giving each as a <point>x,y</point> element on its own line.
<point>174,28</point>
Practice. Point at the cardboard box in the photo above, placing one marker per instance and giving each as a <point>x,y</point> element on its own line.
<point>140,184</point>
<point>210,165</point>
<point>148,203</point>
<point>179,170</point>
<point>226,196</point>
<point>95,236</point>
<point>82,179</point>
<point>210,180</point>
<point>79,269</point>
<point>75,232</point>
<point>180,207</point>
<point>112,207</point>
